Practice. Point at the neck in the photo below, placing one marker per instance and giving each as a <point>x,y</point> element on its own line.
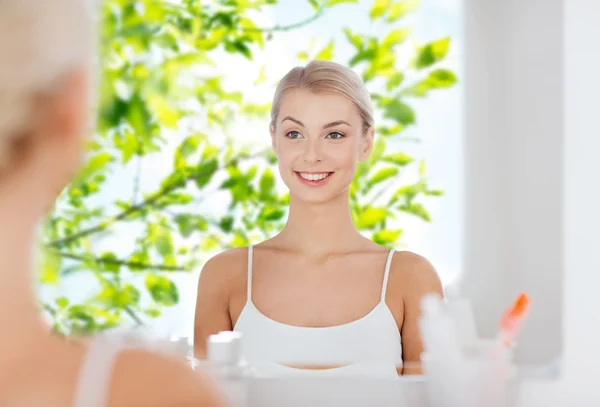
<point>319,229</point>
<point>18,311</point>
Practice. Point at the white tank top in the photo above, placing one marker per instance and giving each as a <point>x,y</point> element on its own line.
<point>370,346</point>
<point>97,368</point>
<point>96,371</point>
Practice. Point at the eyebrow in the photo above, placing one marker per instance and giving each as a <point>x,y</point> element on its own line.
<point>328,125</point>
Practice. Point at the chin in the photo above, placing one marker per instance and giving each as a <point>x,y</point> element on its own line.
<point>313,199</point>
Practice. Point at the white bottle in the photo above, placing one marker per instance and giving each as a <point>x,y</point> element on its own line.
<point>438,330</point>
<point>224,354</point>
<point>442,358</point>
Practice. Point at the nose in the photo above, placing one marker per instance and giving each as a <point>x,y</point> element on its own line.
<point>313,152</point>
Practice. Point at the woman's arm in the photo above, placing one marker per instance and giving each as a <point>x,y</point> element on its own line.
<point>143,378</point>
<point>212,302</point>
<point>417,278</point>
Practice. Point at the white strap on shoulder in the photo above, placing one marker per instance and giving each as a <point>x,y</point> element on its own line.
<point>96,372</point>
<point>386,275</point>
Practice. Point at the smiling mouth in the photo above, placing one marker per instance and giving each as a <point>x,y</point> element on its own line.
<point>313,178</point>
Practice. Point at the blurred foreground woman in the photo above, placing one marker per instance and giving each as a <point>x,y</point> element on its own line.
<point>46,53</point>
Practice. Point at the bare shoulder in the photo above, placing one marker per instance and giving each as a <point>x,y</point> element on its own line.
<point>415,273</point>
<point>148,379</point>
<point>224,266</point>
<point>412,276</point>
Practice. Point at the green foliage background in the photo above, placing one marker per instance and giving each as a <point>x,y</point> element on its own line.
<point>160,80</point>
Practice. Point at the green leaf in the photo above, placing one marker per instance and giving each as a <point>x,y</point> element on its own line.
<point>162,290</point>
<point>271,158</point>
<point>205,172</point>
<point>326,54</point>
<point>370,217</point>
<point>51,266</point>
<point>354,39</point>
<point>331,3</point>
<point>190,144</point>
<point>81,317</point>
<point>115,297</point>
<point>416,209</point>
<point>401,9</point>
<point>266,184</point>
<point>382,175</point>
<point>401,159</point>
<point>139,257</point>
<point>239,240</point>
<point>189,223</point>
<point>166,114</point>
<point>438,79</point>
<point>210,152</point>
<point>139,117</point>
<point>262,76</point>
<point>407,193</point>
<point>129,146</point>
<point>111,265</point>
<point>400,112</point>
<point>422,169</point>
<point>129,295</point>
<point>315,4</point>
<point>395,37</point>
<point>226,224</point>
<point>362,55</point>
<point>434,192</point>
<point>210,242</point>
<point>153,313</point>
<point>271,214</point>
<point>431,53</point>
<point>376,154</point>
<point>239,47</point>
<point>379,8</point>
<point>164,244</point>
<point>95,164</point>
<point>394,81</point>
<point>62,302</point>
<point>386,236</point>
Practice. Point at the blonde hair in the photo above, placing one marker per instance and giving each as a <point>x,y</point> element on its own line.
<point>41,42</point>
<point>326,77</point>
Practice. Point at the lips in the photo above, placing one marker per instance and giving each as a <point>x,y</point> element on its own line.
<point>313,178</point>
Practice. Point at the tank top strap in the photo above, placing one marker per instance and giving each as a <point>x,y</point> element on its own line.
<point>249,294</point>
<point>96,372</point>
<point>386,274</point>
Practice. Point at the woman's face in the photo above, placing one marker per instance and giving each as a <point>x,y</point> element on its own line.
<point>319,140</point>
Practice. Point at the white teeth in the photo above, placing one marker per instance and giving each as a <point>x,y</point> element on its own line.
<point>314,177</point>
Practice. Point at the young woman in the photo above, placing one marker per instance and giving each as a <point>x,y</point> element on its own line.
<point>319,295</point>
<point>46,49</point>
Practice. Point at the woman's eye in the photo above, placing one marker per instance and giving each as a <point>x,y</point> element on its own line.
<point>293,135</point>
<point>335,136</point>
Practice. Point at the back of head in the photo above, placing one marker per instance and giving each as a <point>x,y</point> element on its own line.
<point>41,42</point>
<point>326,77</point>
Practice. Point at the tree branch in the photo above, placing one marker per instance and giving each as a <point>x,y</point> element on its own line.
<point>320,11</point>
<point>137,180</point>
<point>283,28</point>
<point>134,316</point>
<point>102,226</point>
<point>383,189</point>
<point>131,264</point>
